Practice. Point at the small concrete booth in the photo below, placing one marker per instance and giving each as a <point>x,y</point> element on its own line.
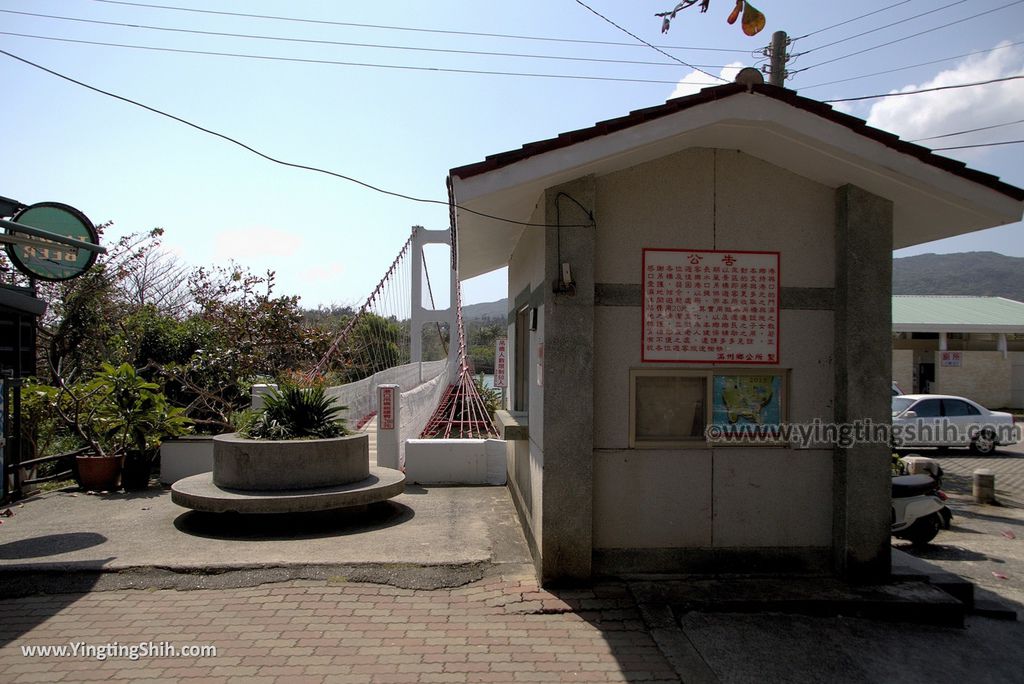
<point>684,282</point>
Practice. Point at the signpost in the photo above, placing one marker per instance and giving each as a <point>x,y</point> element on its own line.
<point>45,241</point>
<point>51,241</point>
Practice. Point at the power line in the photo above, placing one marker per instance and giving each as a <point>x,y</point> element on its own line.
<point>913,66</point>
<point>303,60</point>
<point>926,90</point>
<point>253,150</point>
<point>406,28</point>
<point>992,144</point>
<point>850,21</point>
<point>970,130</point>
<point>913,35</point>
<point>630,33</point>
<point>880,28</point>
<point>223,34</point>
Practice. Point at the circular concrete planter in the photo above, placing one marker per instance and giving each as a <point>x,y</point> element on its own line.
<point>270,465</point>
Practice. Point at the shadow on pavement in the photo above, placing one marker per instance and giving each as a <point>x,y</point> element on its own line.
<point>276,526</point>
<point>935,551</point>
<point>50,545</point>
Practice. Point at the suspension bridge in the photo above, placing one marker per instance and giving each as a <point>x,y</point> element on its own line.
<point>385,343</point>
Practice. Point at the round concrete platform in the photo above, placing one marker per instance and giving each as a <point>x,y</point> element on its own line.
<point>200,494</point>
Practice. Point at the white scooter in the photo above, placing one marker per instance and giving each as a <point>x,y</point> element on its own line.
<point>919,508</point>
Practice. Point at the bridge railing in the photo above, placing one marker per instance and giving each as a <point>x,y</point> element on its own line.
<point>361,396</point>
<point>417,405</point>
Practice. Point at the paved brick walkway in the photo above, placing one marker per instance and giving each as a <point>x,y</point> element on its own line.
<point>495,630</point>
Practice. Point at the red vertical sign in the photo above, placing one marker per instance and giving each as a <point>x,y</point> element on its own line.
<point>387,408</point>
<point>501,362</point>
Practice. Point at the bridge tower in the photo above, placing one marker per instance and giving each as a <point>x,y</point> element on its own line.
<point>420,315</point>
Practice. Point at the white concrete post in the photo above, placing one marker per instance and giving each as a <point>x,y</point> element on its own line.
<point>258,391</point>
<point>984,488</point>
<point>943,343</point>
<point>389,425</point>
<point>1001,345</point>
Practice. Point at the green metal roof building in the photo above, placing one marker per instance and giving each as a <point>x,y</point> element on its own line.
<point>968,346</point>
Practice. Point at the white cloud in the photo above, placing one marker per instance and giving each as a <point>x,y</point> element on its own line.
<point>695,81</point>
<point>947,111</point>
<point>255,243</point>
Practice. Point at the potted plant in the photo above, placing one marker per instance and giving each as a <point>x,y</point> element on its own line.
<point>122,417</point>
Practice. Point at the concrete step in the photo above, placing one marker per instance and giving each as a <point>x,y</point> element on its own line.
<point>909,568</point>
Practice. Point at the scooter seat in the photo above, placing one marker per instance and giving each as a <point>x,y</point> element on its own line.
<point>904,486</point>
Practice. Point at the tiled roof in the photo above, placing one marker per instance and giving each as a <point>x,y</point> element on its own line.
<point>497,161</point>
<point>963,312</point>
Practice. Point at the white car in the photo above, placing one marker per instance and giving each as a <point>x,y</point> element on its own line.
<point>939,420</point>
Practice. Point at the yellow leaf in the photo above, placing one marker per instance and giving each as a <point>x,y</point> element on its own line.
<point>753,20</point>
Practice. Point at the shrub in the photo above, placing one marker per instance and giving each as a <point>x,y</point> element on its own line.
<point>296,413</point>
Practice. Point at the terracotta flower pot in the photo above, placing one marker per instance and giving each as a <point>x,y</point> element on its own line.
<point>99,473</point>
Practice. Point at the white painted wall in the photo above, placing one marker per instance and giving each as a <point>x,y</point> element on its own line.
<point>984,376</point>
<point>720,497</point>
<point>1017,379</point>
<point>526,271</point>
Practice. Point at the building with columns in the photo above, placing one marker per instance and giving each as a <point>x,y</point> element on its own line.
<point>966,346</point>
<point>684,280</point>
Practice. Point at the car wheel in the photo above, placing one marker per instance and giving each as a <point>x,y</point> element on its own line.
<point>984,444</point>
<point>923,530</point>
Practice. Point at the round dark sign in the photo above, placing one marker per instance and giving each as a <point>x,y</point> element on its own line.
<point>50,260</point>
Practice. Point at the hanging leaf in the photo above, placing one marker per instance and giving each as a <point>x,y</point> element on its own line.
<point>753,20</point>
<point>667,17</point>
<point>735,12</point>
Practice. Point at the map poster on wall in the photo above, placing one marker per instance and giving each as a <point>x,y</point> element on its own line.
<point>746,405</point>
<point>710,306</point>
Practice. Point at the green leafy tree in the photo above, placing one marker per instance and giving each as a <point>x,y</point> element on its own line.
<point>115,411</point>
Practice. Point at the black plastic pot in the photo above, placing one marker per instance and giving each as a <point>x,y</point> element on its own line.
<point>138,466</point>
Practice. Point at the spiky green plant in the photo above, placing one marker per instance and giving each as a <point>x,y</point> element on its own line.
<point>297,413</point>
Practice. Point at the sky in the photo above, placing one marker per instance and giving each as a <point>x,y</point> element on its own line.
<point>394,107</point>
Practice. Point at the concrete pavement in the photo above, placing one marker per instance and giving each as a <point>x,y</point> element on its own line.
<point>986,542</point>
<point>74,530</point>
<point>434,586</point>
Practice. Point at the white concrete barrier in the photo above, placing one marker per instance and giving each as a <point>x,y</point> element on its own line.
<point>184,457</point>
<point>455,461</point>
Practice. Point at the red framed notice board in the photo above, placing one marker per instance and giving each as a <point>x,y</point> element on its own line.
<point>710,306</point>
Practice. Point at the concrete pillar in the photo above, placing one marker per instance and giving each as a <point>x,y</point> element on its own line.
<point>389,423</point>
<point>568,421</point>
<point>1002,346</point>
<point>863,373</point>
<point>419,316</point>
<point>943,342</point>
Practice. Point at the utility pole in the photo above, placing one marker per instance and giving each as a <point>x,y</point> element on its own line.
<point>779,57</point>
